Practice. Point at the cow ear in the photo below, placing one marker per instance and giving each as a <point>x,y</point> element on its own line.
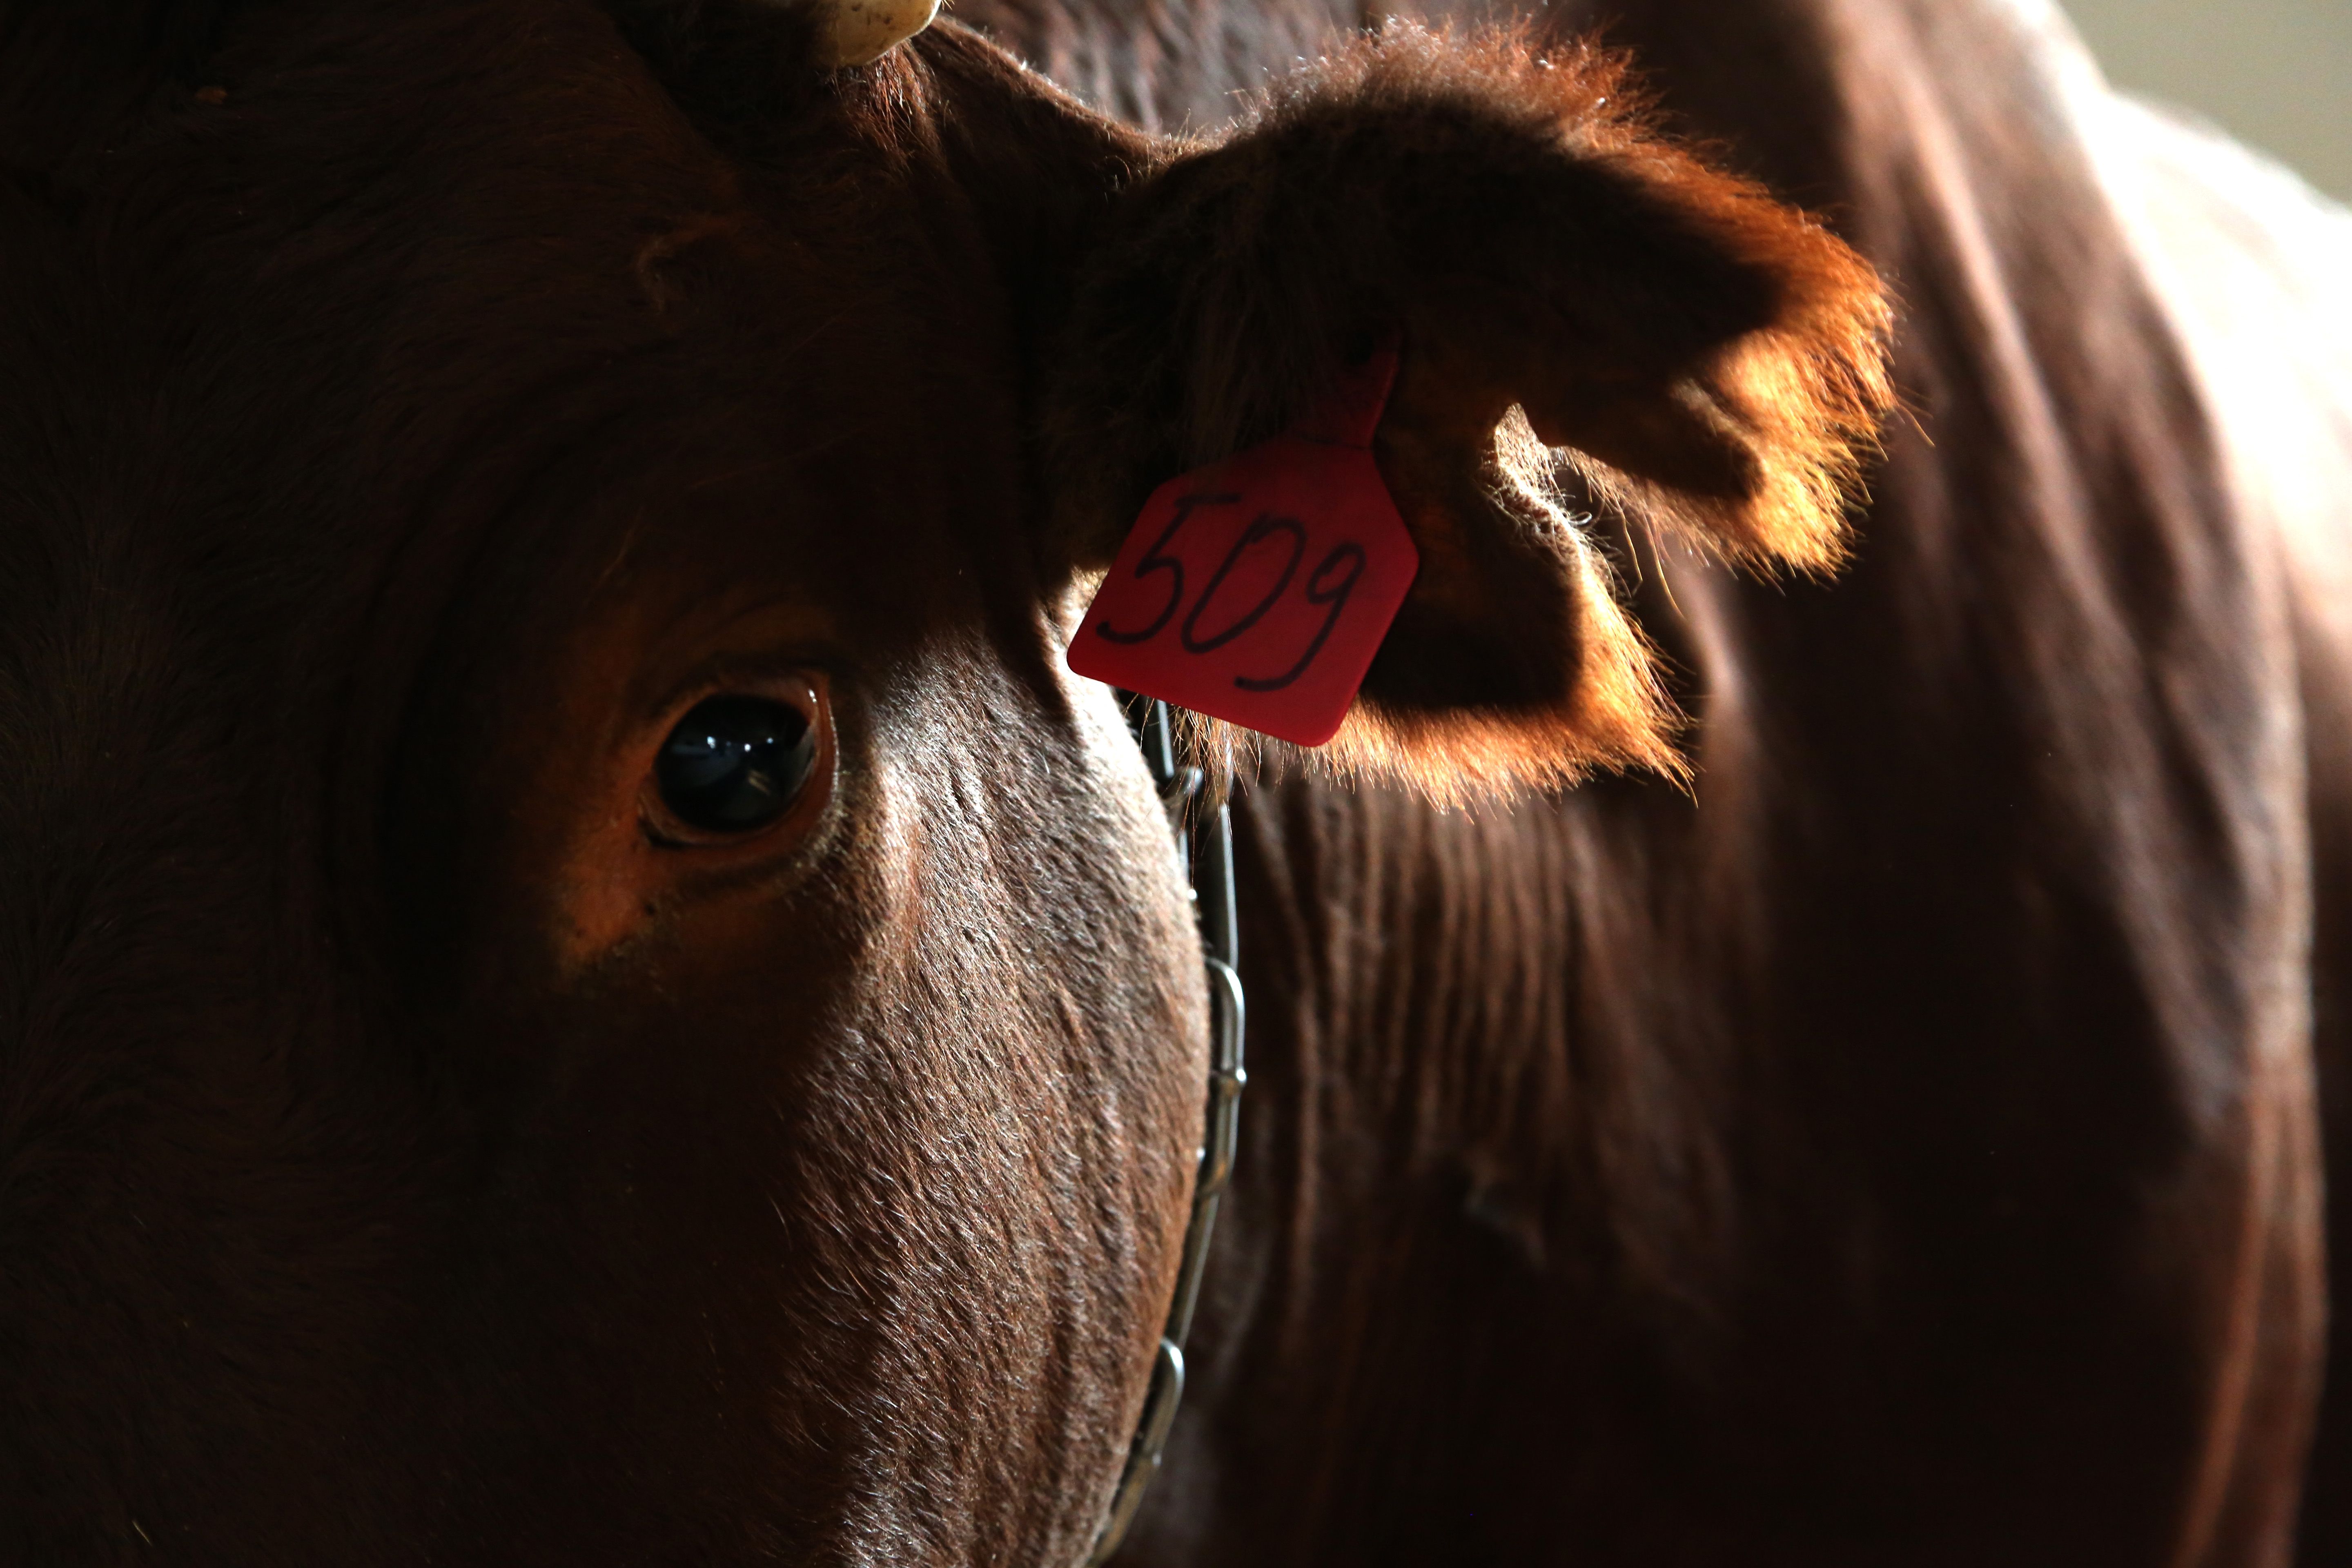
<point>1578,300</point>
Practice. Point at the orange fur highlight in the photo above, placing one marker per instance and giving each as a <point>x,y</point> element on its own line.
<point>1705,360</point>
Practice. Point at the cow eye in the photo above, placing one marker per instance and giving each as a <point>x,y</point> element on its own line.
<point>734,763</point>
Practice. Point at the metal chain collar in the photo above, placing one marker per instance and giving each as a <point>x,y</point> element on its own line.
<point>1205,850</point>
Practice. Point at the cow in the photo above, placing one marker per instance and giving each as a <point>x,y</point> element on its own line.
<point>1907,1147</point>
<point>583,982</point>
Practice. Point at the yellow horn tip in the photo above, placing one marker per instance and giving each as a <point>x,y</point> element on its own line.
<point>865,30</point>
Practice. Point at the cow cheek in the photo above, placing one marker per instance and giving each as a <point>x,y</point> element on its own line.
<point>602,891</point>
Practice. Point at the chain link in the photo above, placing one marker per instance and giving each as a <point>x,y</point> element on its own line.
<point>1204,848</point>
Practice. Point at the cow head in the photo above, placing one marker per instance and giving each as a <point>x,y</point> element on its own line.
<point>578,980</point>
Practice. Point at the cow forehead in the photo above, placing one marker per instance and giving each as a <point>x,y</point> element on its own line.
<point>361,380</point>
<point>406,281</point>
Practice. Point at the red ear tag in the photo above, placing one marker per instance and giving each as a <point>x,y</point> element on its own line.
<point>1258,590</point>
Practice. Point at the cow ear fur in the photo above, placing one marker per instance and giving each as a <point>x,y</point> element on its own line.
<point>1578,299</point>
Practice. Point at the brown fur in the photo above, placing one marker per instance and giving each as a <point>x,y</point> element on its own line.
<point>405,1152</point>
<point>1892,1140</point>
<point>402,1158</point>
<point>1905,1149</point>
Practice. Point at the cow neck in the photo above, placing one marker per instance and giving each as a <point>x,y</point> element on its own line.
<point>1204,848</point>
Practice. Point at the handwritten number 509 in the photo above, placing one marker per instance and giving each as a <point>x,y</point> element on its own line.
<point>1331,583</point>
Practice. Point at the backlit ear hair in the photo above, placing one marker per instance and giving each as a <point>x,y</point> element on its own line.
<point>1572,290</point>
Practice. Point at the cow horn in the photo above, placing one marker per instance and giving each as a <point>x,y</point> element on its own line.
<point>865,30</point>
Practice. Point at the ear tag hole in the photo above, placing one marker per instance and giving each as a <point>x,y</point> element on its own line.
<point>1257,589</point>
